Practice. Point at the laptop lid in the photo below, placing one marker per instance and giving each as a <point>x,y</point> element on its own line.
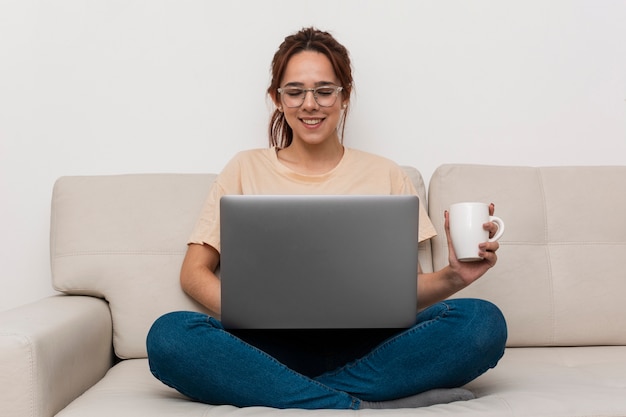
<point>318,262</point>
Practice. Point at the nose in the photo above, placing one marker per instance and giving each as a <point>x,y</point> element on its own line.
<point>309,100</point>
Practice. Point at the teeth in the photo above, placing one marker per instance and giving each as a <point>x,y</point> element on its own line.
<point>311,121</point>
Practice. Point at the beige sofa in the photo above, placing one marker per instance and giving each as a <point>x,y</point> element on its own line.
<point>117,243</point>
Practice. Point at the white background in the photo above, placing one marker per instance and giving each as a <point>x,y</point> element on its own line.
<point>121,86</point>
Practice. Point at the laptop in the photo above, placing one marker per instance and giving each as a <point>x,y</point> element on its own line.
<point>318,262</point>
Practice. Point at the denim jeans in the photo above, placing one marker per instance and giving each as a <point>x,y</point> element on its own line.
<point>452,343</point>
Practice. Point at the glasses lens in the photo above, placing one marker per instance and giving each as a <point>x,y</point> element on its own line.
<point>326,96</point>
<point>293,97</point>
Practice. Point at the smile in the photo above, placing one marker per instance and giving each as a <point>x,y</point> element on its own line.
<point>311,122</point>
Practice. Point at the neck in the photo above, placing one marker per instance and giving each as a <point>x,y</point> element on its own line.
<point>312,159</point>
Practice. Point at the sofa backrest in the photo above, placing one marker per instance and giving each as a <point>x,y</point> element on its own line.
<point>560,277</point>
<point>123,238</point>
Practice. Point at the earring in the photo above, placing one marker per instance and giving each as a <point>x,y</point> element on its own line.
<point>344,105</point>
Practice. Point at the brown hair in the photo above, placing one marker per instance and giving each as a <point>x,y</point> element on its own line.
<point>307,39</point>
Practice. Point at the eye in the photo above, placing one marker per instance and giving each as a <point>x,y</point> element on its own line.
<point>293,92</point>
<point>325,91</point>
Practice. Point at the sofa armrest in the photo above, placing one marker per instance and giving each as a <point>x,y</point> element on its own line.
<point>52,351</point>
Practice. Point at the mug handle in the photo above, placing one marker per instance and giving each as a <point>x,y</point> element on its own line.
<point>500,223</point>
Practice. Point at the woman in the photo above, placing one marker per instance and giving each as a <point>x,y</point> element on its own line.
<point>452,341</point>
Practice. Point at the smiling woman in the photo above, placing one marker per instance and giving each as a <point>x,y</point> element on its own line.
<point>393,368</point>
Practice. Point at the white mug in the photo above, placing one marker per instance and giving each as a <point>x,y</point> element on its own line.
<point>466,229</point>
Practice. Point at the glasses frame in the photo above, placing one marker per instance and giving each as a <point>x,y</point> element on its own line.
<point>337,89</point>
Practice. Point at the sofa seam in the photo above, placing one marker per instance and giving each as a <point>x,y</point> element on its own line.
<point>117,252</point>
<point>544,205</point>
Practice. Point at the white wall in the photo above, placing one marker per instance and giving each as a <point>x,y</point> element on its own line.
<point>121,86</point>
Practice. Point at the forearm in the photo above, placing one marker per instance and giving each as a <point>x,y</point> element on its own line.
<point>204,287</point>
<point>437,286</point>
<point>198,279</point>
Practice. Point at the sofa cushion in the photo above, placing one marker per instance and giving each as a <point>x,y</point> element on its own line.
<point>531,382</point>
<point>560,278</point>
<point>123,238</point>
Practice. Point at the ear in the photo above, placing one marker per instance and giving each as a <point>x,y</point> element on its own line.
<point>345,100</point>
<point>276,100</point>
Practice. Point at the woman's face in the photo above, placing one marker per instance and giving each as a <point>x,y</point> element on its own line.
<point>311,123</point>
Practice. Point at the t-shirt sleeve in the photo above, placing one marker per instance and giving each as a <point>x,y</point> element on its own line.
<point>426,229</point>
<point>207,228</point>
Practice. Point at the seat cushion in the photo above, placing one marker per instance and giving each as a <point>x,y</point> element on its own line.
<point>551,381</point>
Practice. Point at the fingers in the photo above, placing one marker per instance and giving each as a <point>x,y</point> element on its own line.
<point>490,226</point>
<point>487,250</point>
<point>490,258</point>
<point>446,225</point>
<point>489,246</point>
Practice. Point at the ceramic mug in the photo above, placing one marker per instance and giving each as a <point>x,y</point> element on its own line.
<point>466,229</point>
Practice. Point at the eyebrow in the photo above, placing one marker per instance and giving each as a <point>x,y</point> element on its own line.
<point>317,84</point>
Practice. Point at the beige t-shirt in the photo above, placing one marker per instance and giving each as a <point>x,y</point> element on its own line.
<point>259,171</point>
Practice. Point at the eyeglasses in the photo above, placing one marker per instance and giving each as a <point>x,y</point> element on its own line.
<point>325,96</point>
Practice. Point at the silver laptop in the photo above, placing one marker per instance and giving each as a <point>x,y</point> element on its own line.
<point>318,262</point>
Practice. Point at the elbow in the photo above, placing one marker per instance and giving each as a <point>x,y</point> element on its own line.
<point>186,280</point>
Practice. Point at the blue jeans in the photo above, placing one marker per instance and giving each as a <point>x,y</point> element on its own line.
<point>452,343</point>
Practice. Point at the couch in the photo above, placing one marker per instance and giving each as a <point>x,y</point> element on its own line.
<point>117,243</point>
